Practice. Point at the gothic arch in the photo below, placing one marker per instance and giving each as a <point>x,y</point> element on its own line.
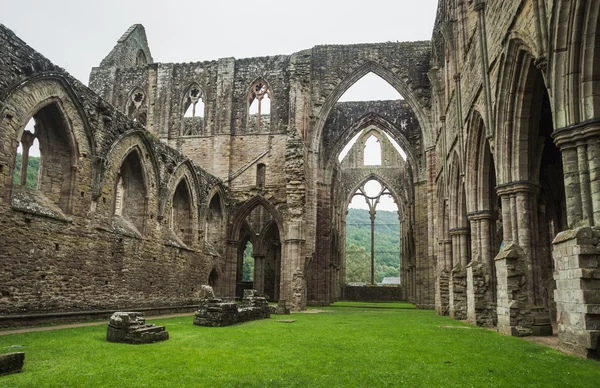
<point>364,122</point>
<point>575,61</point>
<point>374,176</point>
<point>394,80</point>
<point>123,145</point>
<point>516,79</point>
<point>247,208</point>
<point>63,126</point>
<point>479,164</point>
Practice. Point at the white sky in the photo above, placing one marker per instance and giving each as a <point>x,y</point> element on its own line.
<point>78,34</point>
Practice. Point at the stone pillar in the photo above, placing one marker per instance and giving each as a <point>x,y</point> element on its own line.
<point>443,281</point>
<point>481,308</point>
<point>458,276</point>
<point>518,313</point>
<point>293,268</point>
<point>576,251</point>
<point>227,285</point>
<point>576,256</point>
<point>259,273</point>
<point>580,148</point>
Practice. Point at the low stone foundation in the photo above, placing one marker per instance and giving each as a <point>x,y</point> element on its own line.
<point>216,313</point>
<point>373,293</point>
<point>280,309</point>
<point>131,328</point>
<point>11,363</point>
<point>577,261</point>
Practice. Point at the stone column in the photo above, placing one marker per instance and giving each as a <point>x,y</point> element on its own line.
<point>259,273</point>
<point>580,148</point>
<point>293,268</point>
<point>576,252</point>
<point>457,284</point>
<point>227,286</point>
<point>518,312</point>
<point>481,308</point>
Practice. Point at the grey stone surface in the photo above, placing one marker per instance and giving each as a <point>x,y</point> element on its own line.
<point>131,328</point>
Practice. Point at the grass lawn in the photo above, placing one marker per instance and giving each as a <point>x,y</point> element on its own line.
<point>346,347</point>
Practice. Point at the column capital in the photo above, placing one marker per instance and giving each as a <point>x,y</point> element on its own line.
<point>459,231</point>
<point>516,187</point>
<point>479,215</point>
<point>570,135</point>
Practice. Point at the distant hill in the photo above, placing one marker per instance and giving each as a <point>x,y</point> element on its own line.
<point>358,245</point>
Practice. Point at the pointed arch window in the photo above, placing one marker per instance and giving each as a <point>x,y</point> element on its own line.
<point>181,215</point>
<point>136,106</point>
<point>140,59</point>
<point>193,112</point>
<point>131,193</point>
<point>45,159</point>
<point>372,151</point>
<point>259,106</point>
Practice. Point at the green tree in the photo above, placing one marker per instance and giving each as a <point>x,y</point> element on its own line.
<point>358,264</point>
<point>387,243</point>
<point>33,167</point>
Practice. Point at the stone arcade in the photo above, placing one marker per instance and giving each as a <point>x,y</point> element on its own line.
<point>155,177</point>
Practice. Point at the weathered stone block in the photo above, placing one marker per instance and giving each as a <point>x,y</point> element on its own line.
<point>130,327</point>
<point>11,363</point>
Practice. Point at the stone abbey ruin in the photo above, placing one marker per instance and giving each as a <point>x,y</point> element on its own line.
<point>153,179</point>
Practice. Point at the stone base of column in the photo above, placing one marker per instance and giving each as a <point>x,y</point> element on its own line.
<point>577,261</point>
<point>481,309</point>
<point>516,316</point>
<point>442,289</point>
<point>457,293</point>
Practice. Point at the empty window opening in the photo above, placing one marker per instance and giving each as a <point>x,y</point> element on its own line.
<point>26,174</point>
<point>259,105</point>
<point>182,213</point>
<point>194,103</point>
<point>140,59</point>
<point>248,266</point>
<point>136,107</point>
<point>43,158</point>
<point>130,196</point>
<point>369,157</point>
<point>372,152</point>
<point>370,87</point>
<point>261,170</point>
<point>372,236</point>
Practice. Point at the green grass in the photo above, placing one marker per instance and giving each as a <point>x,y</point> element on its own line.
<point>353,347</point>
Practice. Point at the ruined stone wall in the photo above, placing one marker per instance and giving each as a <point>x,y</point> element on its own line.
<point>83,256</point>
<point>493,63</point>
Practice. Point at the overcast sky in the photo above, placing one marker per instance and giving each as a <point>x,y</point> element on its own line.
<point>78,34</point>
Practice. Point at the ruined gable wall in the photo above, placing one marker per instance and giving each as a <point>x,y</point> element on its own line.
<point>87,260</point>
